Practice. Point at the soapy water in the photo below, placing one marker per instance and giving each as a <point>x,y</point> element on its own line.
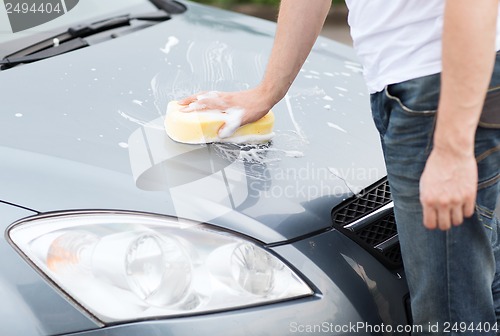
<point>285,144</point>
<point>337,127</point>
<point>172,41</point>
<point>254,153</point>
<point>196,105</point>
<point>298,130</point>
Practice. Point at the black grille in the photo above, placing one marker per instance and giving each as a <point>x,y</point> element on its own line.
<point>393,255</point>
<point>367,201</point>
<point>378,231</point>
<point>378,235</point>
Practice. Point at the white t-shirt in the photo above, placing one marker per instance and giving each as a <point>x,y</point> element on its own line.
<point>398,40</point>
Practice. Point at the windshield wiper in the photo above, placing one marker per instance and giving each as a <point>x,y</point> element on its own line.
<point>73,38</point>
<point>169,6</point>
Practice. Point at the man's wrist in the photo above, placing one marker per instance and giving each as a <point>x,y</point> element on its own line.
<point>456,143</point>
<point>271,93</point>
<point>456,126</point>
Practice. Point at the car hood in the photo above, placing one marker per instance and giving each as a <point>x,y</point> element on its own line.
<point>85,130</point>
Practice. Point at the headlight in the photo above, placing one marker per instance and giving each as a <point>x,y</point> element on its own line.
<point>125,266</point>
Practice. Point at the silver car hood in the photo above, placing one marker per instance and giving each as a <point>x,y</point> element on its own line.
<point>84,130</point>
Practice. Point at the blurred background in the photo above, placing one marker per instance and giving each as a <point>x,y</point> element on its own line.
<point>335,26</point>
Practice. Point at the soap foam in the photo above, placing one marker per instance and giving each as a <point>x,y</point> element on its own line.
<point>248,139</point>
<point>262,153</point>
<point>208,95</point>
<point>197,106</point>
<point>172,41</point>
<point>232,119</point>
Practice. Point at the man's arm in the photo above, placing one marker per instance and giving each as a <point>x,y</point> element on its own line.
<point>299,24</point>
<point>448,185</point>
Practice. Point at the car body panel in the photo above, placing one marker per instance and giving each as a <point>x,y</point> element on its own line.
<point>91,128</point>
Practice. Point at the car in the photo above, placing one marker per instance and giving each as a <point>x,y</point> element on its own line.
<point>112,228</point>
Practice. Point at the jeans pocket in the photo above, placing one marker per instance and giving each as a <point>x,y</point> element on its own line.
<point>419,96</point>
<point>490,116</point>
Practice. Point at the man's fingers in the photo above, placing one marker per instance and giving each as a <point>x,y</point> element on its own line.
<point>205,105</point>
<point>187,100</point>
<point>430,217</point>
<point>457,215</point>
<point>214,104</point>
<point>444,218</point>
<point>194,106</point>
<point>469,207</point>
<point>202,102</point>
<point>191,99</point>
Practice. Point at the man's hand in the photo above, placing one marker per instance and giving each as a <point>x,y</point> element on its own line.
<point>253,103</point>
<point>448,188</point>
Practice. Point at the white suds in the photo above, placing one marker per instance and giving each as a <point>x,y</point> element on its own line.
<point>298,129</point>
<point>232,120</point>
<point>208,95</point>
<point>337,127</point>
<point>172,41</point>
<point>196,105</point>
<point>328,98</point>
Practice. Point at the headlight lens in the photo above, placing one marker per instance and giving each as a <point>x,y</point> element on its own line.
<point>125,266</point>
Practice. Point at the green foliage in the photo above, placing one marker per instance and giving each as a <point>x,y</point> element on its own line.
<point>229,3</point>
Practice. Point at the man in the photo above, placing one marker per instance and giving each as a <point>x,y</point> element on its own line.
<point>428,65</point>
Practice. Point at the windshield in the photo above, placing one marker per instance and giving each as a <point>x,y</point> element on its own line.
<point>84,11</point>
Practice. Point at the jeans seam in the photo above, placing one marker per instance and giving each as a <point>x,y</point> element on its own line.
<point>382,125</point>
<point>431,137</point>
<point>488,125</point>
<point>448,287</point>
<point>405,108</point>
<point>486,153</point>
<point>489,182</point>
<point>483,211</point>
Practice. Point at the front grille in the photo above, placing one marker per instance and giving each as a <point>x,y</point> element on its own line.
<point>393,255</point>
<point>379,231</point>
<point>364,219</point>
<point>367,201</point>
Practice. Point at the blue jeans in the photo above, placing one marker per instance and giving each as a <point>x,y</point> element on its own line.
<point>453,276</point>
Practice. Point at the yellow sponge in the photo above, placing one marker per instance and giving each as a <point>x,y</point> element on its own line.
<point>202,127</point>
